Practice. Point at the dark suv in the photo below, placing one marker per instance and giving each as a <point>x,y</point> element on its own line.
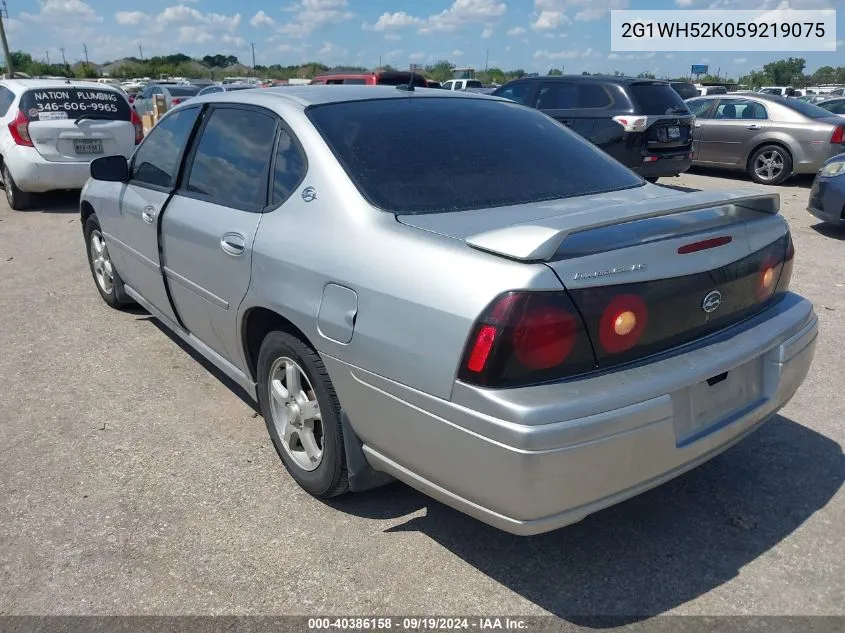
<point>642,123</point>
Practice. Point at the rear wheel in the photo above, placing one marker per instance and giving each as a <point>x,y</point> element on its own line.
<point>17,199</point>
<point>302,413</point>
<point>770,165</point>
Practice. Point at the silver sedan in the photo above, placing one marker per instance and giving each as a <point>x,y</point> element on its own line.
<point>768,136</point>
<point>516,324</point>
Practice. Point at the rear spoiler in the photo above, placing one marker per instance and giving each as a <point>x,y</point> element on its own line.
<point>539,240</point>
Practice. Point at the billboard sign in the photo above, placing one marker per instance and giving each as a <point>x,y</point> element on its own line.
<point>699,69</point>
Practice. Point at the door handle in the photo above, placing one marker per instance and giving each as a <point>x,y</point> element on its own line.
<point>149,214</point>
<point>233,243</point>
<point>753,126</point>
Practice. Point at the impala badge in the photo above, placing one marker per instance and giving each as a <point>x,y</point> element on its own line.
<point>712,300</point>
<point>309,194</point>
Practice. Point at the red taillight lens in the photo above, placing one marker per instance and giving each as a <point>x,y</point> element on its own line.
<point>19,129</point>
<point>622,323</point>
<point>175,101</point>
<point>838,135</point>
<point>524,338</point>
<point>139,127</point>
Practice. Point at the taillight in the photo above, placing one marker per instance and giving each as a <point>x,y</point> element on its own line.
<point>175,101</point>
<point>632,123</point>
<point>622,323</point>
<point>524,338</point>
<point>838,135</point>
<point>139,127</point>
<point>786,271</point>
<point>19,129</point>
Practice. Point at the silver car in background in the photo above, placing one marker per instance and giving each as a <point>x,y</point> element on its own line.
<point>768,136</point>
<point>517,325</point>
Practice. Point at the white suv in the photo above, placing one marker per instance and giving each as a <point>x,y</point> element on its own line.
<point>50,130</point>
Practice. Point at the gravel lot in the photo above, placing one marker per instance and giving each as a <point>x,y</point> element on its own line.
<point>136,480</point>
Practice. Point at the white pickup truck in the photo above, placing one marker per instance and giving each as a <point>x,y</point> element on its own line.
<point>461,84</point>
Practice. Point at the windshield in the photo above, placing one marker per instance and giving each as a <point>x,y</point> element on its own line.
<point>658,98</point>
<point>772,91</point>
<point>392,149</point>
<point>474,83</point>
<point>71,103</point>
<point>400,79</point>
<point>685,91</point>
<point>807,109</point>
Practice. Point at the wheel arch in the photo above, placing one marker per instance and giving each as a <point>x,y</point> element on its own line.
<point>256,323</point>
<point>85,211</point>
<point>782,143</point>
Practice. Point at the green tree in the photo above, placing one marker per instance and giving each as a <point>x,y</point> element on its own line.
<point>646,75</point>
<point>84,71</point>
<point>784,71</point>
<point>555,71</point>
<point>440,70</point>
<point>824,75</point>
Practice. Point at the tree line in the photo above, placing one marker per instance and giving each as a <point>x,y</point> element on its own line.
<point>783,72</point>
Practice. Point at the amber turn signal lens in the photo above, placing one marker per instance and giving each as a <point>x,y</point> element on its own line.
<point>768,278</point>
<point>625,323</point>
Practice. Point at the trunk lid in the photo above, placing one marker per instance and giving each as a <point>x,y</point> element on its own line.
<point>683,264</point>
<point>73,124</point>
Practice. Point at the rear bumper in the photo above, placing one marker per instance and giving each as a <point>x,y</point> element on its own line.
<point>33,174</point>
<point>827,200</point>
<point>665,165</point>
<point>531,460</point>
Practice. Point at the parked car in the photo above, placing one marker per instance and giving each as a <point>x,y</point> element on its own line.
<point>174,94</point>
<point>224,88</point>
<point>835,105</point>
<point>433,84</point>
<point>770,137</point>
<point>51,129</point>
<point>710,90</point>
<point>461,84</point>
<point>378,78</point>
<point>779,91</point>
<point>684,89</point>
<point>827,197</point>
<point>577,335</point>
<point>642,123</point>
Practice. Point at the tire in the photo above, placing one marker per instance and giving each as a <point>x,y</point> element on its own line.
<point>328,477</point>
<point>17,199</point>
<point>113,294</point>
<point>772,152</point>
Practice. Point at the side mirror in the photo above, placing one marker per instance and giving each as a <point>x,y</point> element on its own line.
<point>110,169</point>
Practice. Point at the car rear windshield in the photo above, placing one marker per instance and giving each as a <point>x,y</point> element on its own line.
<point>399,79</point>
<point>183,91</point>
<point>393,151</point>
<point>41,104</point>
<point>657,98</point>
<point>807,109</point>
<point>684,90</point>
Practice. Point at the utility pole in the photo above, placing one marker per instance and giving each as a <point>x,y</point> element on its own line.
<point>141,52</point>
<point>48,57</point>
<point>4,13</point>
<point>486,59</point>
<point>85,49</point>
<point>253,56</point>
<point>64,61</point>
<point>379,61</point>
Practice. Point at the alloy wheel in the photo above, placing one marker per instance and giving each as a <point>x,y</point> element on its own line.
<point>769,165</point>
<point>103,269</point>
<point>296,413</point>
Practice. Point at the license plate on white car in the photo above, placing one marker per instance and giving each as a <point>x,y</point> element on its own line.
<point>674,132</point>
<point>88,146</point>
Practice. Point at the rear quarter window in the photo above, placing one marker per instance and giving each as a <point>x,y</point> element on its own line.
<point>657,98</point>
<point>41,104</point>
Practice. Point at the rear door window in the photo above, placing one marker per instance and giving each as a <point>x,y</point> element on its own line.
<point>7,98</point>
<point>156,162</point>
<point>593,96</point>
<point>837,107</point>
<point>699,107</point>
<point>358,81</point>
<point>183,91</point>
<point>231,164</point>
<point>657,98</point>
<point>288,168</point>
<point>45,104</point>
<point>558,95</point>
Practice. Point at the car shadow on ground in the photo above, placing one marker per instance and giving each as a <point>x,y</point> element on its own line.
<point>54,202</point>
<point>651,553</point>
<point>802,181</point>
<point>829,230</point>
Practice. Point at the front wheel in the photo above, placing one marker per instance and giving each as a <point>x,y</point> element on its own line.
<point>302,413</point>
<point>770,165</point>
<point>108,282</point>
<point>17,199</point>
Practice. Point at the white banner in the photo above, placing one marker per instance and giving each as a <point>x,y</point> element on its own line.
<point>779,30</point>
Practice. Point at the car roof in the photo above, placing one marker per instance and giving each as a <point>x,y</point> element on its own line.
<point>311,95</point>
<point>26,84</point>
<point>603,78</point>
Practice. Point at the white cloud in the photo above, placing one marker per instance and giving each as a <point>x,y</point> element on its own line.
<point>309,15</point>
<point>613,56</point>
<point>548,20</point>
<point>262,19</point>
<point>487,33</point>
<point>131,18</point>
<point>550,14</point>
<point>53,11</point>
<point>516,31</point>
<point>570,54</point>
<point>395,37</point>
<point>840,43</point>
<point>181,13</point>
<point>393,55</point>
<point>397,20</point>
<point>416,57</point>
<point>740,60</point>
<point>327,48</point>
<point>457,53</point>
<point>683,3</point>
<point>463,12</point>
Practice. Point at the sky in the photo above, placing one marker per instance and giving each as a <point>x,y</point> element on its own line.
<point>535,35</point>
